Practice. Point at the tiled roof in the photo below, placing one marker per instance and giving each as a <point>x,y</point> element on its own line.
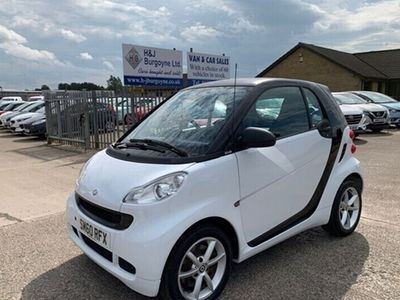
<point>377,64</point>
<point>386,61</point>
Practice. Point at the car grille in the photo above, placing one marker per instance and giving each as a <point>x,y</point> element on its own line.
<point>26,126</point>
<point>107,217</point>
<point>378,114</point>
<point>353,119</point>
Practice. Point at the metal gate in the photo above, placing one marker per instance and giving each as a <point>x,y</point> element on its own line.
<point>93,120</point>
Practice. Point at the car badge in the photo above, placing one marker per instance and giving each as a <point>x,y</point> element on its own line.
<point>94,192</point>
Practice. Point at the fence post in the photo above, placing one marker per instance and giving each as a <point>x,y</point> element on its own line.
<point>48,116</point>
<point>86,121</point>
<point>95,120</point>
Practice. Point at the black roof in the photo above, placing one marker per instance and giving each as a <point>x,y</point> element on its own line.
<point>386,61</point>
<point>376,64</point>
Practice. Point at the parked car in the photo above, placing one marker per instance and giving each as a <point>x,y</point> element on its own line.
<point>391,104</point>
<point>36,128</point>
<point>376,115</point>
<point>355,118</point>
<point>5,119</point>
<point>9,107</point>
<point>11,98</point>
<point>142,107</point>
<point>36,98</point>
<point>170,205</point>
<point>28,117</point>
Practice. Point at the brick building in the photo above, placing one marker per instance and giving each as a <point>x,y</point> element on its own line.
<point>340,71</point>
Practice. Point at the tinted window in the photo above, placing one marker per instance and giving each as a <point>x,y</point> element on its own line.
<point>314,109</point>
<point>279,110</point>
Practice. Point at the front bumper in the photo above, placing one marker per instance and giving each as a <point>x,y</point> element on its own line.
<point>127,244</point>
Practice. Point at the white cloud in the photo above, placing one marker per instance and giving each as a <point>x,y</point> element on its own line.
<point>198,33</point>
<point>108,65</point>
<point>12,44</point>
<point>72,36</point>
<point>10,36</point>
<point>85,56</point>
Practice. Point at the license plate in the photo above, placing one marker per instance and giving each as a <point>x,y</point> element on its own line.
<point>97,235</point>
<point>379,120</point>
<point>353,127</point>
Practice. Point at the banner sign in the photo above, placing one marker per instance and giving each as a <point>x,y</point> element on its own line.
<point>148,66</point>
<point>207,67</point>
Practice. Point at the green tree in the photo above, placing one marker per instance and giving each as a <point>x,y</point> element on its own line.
<point>45,87</point>
<point>114,84</point>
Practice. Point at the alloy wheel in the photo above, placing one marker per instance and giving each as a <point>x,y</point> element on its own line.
<point>349,208</point>
<point>202,269</point>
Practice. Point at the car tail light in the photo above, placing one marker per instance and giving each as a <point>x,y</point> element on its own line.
<point>353,148</point>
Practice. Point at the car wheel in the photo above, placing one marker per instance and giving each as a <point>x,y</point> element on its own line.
<point>346,209</point>
<point>198,266</point>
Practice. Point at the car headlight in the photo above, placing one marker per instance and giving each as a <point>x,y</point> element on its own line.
<point>156,190</point>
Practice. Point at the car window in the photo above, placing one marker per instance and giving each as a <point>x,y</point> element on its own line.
<point>280,110</point>
<point>314,109</point>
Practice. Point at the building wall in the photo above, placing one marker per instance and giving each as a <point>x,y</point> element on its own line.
<point>305,64</point>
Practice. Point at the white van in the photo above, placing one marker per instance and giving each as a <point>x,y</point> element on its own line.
<point>11,98</point>
<point>35,98</point>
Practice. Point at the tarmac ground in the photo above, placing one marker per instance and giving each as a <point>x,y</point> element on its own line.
<point>38,261</point>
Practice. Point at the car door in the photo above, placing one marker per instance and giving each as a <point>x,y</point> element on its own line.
<point>278,182</point>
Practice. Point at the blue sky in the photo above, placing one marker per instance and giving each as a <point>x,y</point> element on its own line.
<point>47,42</point>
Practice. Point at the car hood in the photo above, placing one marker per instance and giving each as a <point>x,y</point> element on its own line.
<point>25,115</point>
<point>393,105</point>
<point>9,116</point>
<point>369,107</point>
<point>350,110</point>
<point>34,117</point>
<point>113,179</point>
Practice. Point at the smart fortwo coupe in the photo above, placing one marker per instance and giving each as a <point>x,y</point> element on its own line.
<point>214,175</point>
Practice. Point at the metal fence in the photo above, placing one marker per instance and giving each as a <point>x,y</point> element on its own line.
<point>93,120</point>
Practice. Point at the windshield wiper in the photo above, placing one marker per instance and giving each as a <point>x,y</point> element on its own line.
<point>139,145</point>
<point>161,144</point>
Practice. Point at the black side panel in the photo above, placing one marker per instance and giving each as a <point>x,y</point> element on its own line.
<point>312,205</point>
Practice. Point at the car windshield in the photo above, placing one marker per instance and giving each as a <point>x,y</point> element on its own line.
<point>378,97</point>
<point>3,105</point>
<point>13,106</point>
<point>33,107</point>
<point>192,119</point>
<point>349,99</point>
<point>23,106</point>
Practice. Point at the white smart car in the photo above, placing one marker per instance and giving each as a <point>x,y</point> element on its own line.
<point>215,176</point>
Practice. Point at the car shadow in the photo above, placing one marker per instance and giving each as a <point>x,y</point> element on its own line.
<point>359,141</point>
<point>44,152</point>
<point>312,265</point>
<point>378,134</point>
<point>78,278</point>
<point>28,139</point>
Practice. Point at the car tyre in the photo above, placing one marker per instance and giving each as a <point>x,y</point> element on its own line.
<point>199,265</point>
<point>346,209</point>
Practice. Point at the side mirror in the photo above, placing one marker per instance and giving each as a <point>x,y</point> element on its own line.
<point>254,137</point>
<point>324,128</point>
